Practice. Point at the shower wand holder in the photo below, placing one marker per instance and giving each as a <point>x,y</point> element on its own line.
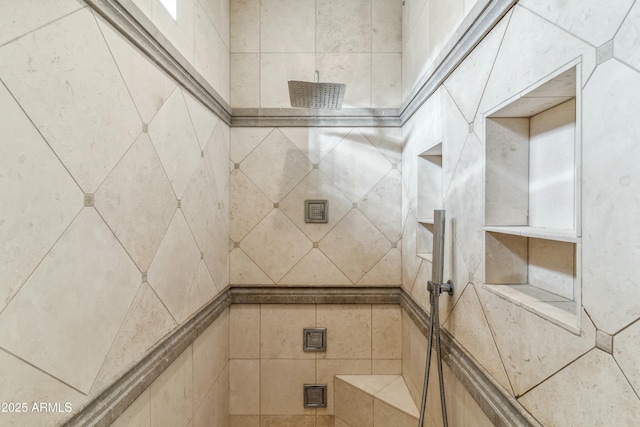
<point>442,287</point>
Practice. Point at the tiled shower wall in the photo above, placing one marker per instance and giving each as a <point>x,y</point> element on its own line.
<point>268,367</point>
<point>114,212</point>
<point>357,42</point>
<point>276,170</point>
<point>562,378</point>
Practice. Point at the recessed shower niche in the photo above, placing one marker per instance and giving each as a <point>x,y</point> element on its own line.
<point>429,197</point>
<point>532,199</point>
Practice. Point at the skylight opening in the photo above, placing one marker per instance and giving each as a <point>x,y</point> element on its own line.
<point>172,7</point>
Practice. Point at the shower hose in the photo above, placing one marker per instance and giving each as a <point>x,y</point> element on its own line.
<point>434,330</point>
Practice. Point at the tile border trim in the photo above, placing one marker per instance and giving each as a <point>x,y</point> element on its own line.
<point>125,16</point>
<point>107,405</point>
<point>136,27</point>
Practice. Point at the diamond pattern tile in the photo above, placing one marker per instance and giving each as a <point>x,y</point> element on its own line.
<point>625,351</point>
<point>145,324</point>
<point>202,290</point>
<point>315,269</point>
<point>21,17</point>
<point>276,166</point>
<point>354,245</point>
<point>248,205</point>
<point>176,142</point>
<point>64,77</point>
<point>315,143</point>
<point>315,186</point>
<point>148,85</point>
<point>87,280</point>
<point>276,245</point>
<point>245,140</point>
<point>175,265</point>
<point>39,199</point>
<point>386,272</point>
<point>216,248</point>
<point>198,204</point>
<point>137,202</point>
<point>203,120</point>
<point>355,166</point>
<point>216,156</point>
<point>627,41</point>
<point>383,205</point>
<point>387,140</point>
<point>245,272</point>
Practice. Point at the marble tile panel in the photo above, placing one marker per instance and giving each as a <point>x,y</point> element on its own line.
<point>281,330</point>
<point>286,242</point>
<point>348,331</point>
<point>86,279</point>
<point>343,26</point>
<point>203,120</point>
<point>243,271</point>
<point>382,205</point>
<point>32,219</point>
<point>211,54</point>
<point>561,399</point>
<point>353,405</point>
<point>21,382</point>
<point>387,140</point>
<point>287,26</point>
<point>627,38</point>
<point>244,331</point>
<point>386,339</point>
<point>210,356</point>
<point>145,324</point>
<point>609,175</point>
<point>288,421</point>
<point>216,248</point>
<point>148,85</point>
<point>175,141</point>
<point>244,387</point>
<point>201,291</point>
<point>315,269</point>
<point>548,49</point>
<point>354,245</point>
<point>74,102</point>
<point>386,26</point>
<point>198,203</point>
<point>137,202</point>
<point>244,141</point>
<point>531,361</point>
<point>467,323</point>
<point>625,346</point>
<point>276,153</point>
<point>244,420</point>
<point>592,21</point>
<point>214,410</point>
<point>327,369</point>
<point>386,366</point>
<point>244,26</point>
<point>218,11</point>
<point>244,85</point>
<point>386,80</point>
<point>138,414</point>
<point>20,18</point>
<point>352,69</point>
<point>467,83</point>
<point>456,130</point>
<point>281,385</point>
<point>388,271</point>
<point>355,166</point>
<point>175,265</point>
<point>249,205</point>
<point>314,142</point>
<point>278,68</point>
<point>315,186</point>
<point>180,31</point>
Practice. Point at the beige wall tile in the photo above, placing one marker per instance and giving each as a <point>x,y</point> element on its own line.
<point>244,387</point>
<point>281,386</point>
<point>214,410</point>
<point>386,366</point>
<point>244,420</point>
<point>348,331</point>
<point>281,330</point>
<point>343,26</point>
<point>352,69</point>
<point>210,355</point>
<point>138,414</point>
<point>387,415</point>
<point>288,421</point>
<point>353,405</point>
<point>386,331</point>
<point>281,20</point>
<point>325,421</point>
<point>245,80</point>
<point>244,332</point>
<point>244,26</point>
<point>386,77</point>
<point>172,393</point>
<point>327,369</point>
<point>386,18</point>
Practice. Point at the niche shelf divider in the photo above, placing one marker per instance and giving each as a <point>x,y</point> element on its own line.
<point>429,197</point>
<point>532,233</point>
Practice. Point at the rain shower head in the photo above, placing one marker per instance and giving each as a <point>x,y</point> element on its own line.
<point>316,94</point>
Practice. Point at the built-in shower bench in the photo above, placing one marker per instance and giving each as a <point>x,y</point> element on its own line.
<point>373,400</point>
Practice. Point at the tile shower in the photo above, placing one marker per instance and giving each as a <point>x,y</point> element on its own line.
<point>129,205</point>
